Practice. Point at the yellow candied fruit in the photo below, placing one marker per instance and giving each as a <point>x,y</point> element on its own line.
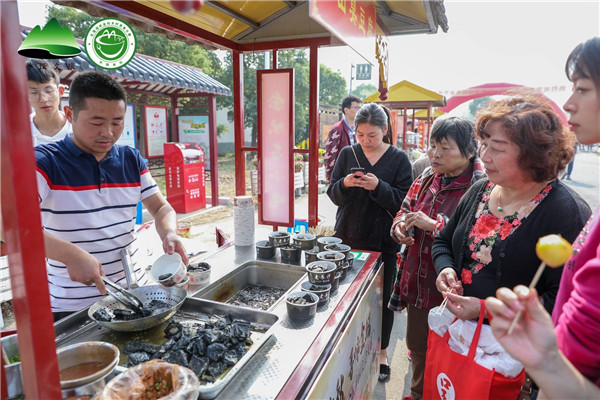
<point>553,250</point>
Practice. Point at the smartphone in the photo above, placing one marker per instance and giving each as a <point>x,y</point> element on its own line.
<point>357,172</point>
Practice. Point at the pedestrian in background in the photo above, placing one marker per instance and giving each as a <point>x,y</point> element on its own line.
<point>341,134</point>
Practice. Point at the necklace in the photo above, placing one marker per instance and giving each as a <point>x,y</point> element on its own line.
<point>499,208</point>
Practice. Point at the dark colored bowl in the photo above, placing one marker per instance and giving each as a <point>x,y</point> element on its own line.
<point>332,256</point>
<point>336,282</point>
<point>350,259</point>
<point>327,240</point>
<point>339,247</point>
<point>323,276</point>
<point>290,255</point>
<point>344,271</point>
<point>264,249</point>
<point>302,311</point>
<point>320,290</point>
<point>305,241</point>
<point>279,239</point>
<point>311,255</point>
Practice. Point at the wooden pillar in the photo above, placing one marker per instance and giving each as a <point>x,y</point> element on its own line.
<point>22,222</point>
<point>238,117</point>
<point>313,135</point>
<point>214,151</point>
<point>174,122</point>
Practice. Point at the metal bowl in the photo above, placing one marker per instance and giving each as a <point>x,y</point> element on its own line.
<point>91,360</point>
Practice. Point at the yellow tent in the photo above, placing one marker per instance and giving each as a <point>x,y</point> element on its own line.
<point>422,114</point>
<point>407,94</point>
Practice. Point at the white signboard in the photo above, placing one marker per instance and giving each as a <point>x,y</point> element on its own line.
<point>128,136</point>
<point>194,129</point>
<point>156,130</point>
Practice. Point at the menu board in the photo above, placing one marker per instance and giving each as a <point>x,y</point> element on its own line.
<point>194,129</point>
<point>128,136</point>
<point>156,130</point>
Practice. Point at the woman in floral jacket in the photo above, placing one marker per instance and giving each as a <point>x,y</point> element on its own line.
<point>430,201</point>
<point>490,240</point>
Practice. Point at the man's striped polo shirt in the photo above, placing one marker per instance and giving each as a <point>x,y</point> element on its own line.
<point>92,205</point>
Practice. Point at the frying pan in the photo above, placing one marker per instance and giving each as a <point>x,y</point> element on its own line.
<point>173,296</point>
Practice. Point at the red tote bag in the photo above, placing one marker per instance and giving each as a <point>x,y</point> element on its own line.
<point>450,376</point>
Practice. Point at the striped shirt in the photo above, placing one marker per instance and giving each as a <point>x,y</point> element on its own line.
<point>92,205</point>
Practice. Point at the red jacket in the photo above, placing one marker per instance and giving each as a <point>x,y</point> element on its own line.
<point>338,138</point>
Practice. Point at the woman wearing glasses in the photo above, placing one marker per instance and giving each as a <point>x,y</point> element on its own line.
<point>48,123</point>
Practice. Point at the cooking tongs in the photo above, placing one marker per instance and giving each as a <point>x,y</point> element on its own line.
<point>121,295</point>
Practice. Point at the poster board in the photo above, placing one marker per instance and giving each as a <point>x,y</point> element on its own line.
<point>275,115</point>
<point>128,137</point>
<point>155,123</point>
<point>195,129</point>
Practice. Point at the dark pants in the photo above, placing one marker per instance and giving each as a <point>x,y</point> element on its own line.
<point>417,332</point>
<point>387,315</point>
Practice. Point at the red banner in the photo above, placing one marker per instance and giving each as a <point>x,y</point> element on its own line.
<point>351,21</point>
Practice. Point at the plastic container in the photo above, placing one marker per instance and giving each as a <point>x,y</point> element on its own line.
<point>199,273</point>
<point>303,310</point>
<point>305,241</point>
<point>326,240</point>
<point>170,268</point>
<point>320,290</point>
<point>290,255</point>
<point>321,272</point>
<point>279,239</point>
<point>332,256</point>
<point>264,249</point>
<point>340,248</point>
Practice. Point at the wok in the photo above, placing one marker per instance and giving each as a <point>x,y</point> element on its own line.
<point>173,296</point>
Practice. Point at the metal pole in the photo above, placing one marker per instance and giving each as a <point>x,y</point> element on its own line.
<point>214,153</point>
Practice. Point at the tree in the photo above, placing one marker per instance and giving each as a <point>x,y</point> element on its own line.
<point>364,90</point>
<point>332,86</point>
<point>475,105</point>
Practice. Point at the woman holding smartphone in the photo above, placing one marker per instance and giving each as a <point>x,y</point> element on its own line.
<point>369,197</point>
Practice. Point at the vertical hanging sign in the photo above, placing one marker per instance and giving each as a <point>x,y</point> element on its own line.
<point>156,130</point>
<point>275,103</point>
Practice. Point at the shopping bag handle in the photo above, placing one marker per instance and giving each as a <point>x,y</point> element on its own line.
<point>475,341</point>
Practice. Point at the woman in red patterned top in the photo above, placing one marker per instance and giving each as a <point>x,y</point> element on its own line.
<point>430,201</point>
<point>489,241</point>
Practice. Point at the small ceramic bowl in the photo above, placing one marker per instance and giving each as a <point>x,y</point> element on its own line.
<point>321,272</point>
<point>332,256</point>
<point>290,255</point>
<point>339,247</point>
<point>185,284</point>
<point>320,290</point>
<point>199,273</point>
<point>305,241</point>
<point>336,282</point>
<point>168,269</point>
<point>301,305</point>
<point>311,255</point>
<point>279,239</point>
<point>264,249</point>
<point>327,240</point>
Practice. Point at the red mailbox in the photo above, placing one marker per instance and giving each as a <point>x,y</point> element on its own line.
<point>184,174</point>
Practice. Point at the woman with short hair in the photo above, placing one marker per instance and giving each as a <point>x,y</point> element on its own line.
<point>430,201</point>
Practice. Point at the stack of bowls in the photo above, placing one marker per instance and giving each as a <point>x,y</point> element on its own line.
<point>302,305</point>
<point>327,240</point>
<point>320,290</point>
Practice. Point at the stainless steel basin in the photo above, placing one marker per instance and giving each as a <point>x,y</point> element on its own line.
<point>273,275</point>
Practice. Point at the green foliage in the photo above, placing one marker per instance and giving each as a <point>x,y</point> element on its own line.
<point>221,128</point>
<point>332,86</point>
<point>151,44</point>
<point>364,90</point>
<point>475,105</point>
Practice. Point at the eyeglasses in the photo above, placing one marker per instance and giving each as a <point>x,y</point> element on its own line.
<point>48,93</point>
<point>355,107</point>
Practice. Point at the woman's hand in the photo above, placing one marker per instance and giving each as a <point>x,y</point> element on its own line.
<point>532,340</point>
<point>367,182</point>
<point>447,281</point>
<point>463,307</point>
<point>420,220</point>
<point>399,235</point>
<point>351,181</point>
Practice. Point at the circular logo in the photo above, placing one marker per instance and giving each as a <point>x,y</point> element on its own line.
<point>445,387</point>
<point>110,43</point>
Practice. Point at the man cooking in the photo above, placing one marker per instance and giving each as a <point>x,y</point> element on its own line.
<point>89,188</point>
